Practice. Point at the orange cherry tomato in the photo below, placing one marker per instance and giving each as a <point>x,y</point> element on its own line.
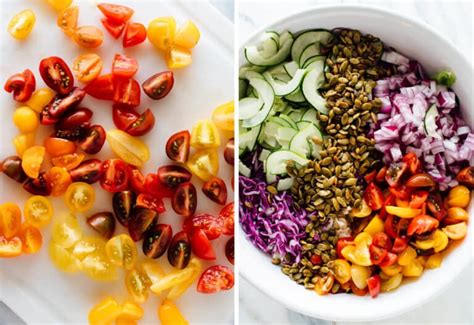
<point>31,239</point>
<point>88,36</point>
<point>87,67</point>
<point>59,147</point>
<point>10,247</point>
<point>67,20</point>
<point>60,180</point>
<point>69,161</point>
<point>32,160</point>
<point>10,219</point>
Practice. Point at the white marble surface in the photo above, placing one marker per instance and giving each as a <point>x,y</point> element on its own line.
<point>454,20</point>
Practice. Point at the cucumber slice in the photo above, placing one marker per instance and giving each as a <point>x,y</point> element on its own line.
<point>265,92</point>
<point>253,74</point>
<point>300,143</point>
<point>270,178</point>
<point>310,116</point>
<point>310,87</point>
<point>303,125</point>
<point>244,170</point>
<point>264,155</point>
<point>319,66</point>
<point>248,67</point>
<point>284,136</point>
<point>247,140</point>
<point>313,59</point>
<point>249,106</point>
<point>282,89</point>
<point>280,121</point>
<point>255,57</point>
<point>296,115</point>
<point>243,84</point>
<point>309,52</point>
<point>277,70</point>
<point>285,36</point>
<point>279,105</point>
<point>429,122</point>
<point>296,96</point>
<point>290,121</point>
<point>276,161</point>
<point>287,110</point>
<point>285,184</point>
<point>291,68</point>
<point>269,48</point>
<point>309,37</point>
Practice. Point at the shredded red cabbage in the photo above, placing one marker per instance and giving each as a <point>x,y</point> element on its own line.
<point>400,128</point>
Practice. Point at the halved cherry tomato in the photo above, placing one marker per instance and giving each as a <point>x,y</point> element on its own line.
<point>422,224</point>
<point>401,191</point>
<point>124,116</point>
<point>22,85</point>
<point>103,223</point>
<point>38,186</point>
<point>173,175</point>
<point>343,242</point>
<point>126,92</point>
<point>316,259</point>
<point>150,202</point>
<point>211,225</point>
<point>60,105</point>
<point>21,25</point>
<point>215,190</point>
<point>380,177</point>
<point>161,32</point>
<point>204,164</point>
<point>177,146</point>
<point>223,116</point>
<point>374,283</point>
<point>122,251</point>
<point>381,240</point>
<point>115,29</point>
<point>377,254</point>
<point>413,163</point>
<point>229,250</point>
<point>184,201</point>
<point>31,239</point>
<point>435,206</point>
<point>229,155</point>
<point>201,245</point>
<point>60,180</point>
<point>466,176</point>
<point>216,278</point>
<point>32,160</point>
<point>418,198</point>
<point>370,177</point>
<point>10,247</point>
<point>93,140</point>
<point>79,197</point>
<point>115,175</point>
<point>56,74</point>
<point>421,180</point>
<point>187,36</point>
<point>205,135</point>
<point>101,87</point>
<point>154,187</point>
<point>159,85</point>
<point>142,125</point>
<point>358,292</point>
<point>227,216</point>
<point>389,259</point>
<point>69,162</point>
<point>135,33</point>
<point>389,200</point>
<point>137,180</point>
<point>178,57</point>
<point>87,67</point>
<point>116,13</point>
<point>89,171</point>
<point>399,245</point>
<point>59,4</point>
<point>10,220</point>
<point>88,36</point>
<point>373,196</point>
<point>75,118</point>
<point>21,142</point>
<point>169,314</point>
<point>128,148</point>
<point>124,66</point>
<point>179,251</point>
<point>11,166</point>
<point>394,173</point>
<point>389,226</point>
<point>59,147</point>
<point>67,20</point>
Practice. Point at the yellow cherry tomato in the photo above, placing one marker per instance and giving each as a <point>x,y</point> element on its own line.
<point>137,283</point>
<point>38,211</point>
<point>67,20</point>
<point>363,238</point>
<point>402,212</point>
<point>22,142</point>
<point>391,270</point>
<point>459,196</point>
<point>362,255</point>
<point>98,267</point>
<point>122,251</point>
<point>87,67</point>
<point>375,225</point>
<point>359,275</point>
<point>223,116</point>
<point>169,314</point>
<point>177,278</point>
<point>32,159</point>
<point>161,32</point>
<point>204,164</point>
<point>349,253</point>
<point>87,246</point>
<point>205,135</point>
<point>456,231</point>
<point>187,36</point>
<point>21,25</point>
<point>363,211</point>
<point>441,241</point>
<point>342,270</point>
<point>414,269</point>
<point>153,270</point>
<point>59,4</point>
<point>177,291</point>
<point>25,119</point>
<point>407,256</point>
<point>63,259</point>
<point>434,261</point>
<point>392,283</point>
<point>457,214</point>
<point>40,99</point>
<point>130,149</point>
<point>131,312</point>
<point>178,57</point>
<point>66,231</point>
<point>105,312</point>
<point>425,244</point>
<point>79,197</point>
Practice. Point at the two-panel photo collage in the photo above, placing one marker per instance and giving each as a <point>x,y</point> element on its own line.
<point>227,162</point>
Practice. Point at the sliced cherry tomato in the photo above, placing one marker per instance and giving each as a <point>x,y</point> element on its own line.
<point>11,166</point>
<point>116,13</point>
<point>89,171</point>
<point>358,292</point>
<point>377,254</point>
<point>124,116</point>
<point>201,245</point>
<point>316,259</point>
<point>373,196</point>
<point>161,32</point>
<point>422,224</point>
<point>227,216</point>
<point>124,66</point>
<point>178,57</point>
<point>122,251</point>
<point>159,85</point>
<point>32,160</point>
<point>59,147</point>
<point>399,245</point>
<point>229,154</point>
<point>126,92</point>
<point>38,186</point>
<point>466,176</point>
<point>31,239</point>
<point>88,36</point>
<point>184,201</point>
<point>60,105</point>
<point>142,125</point>
<point>10,247</point>
<point>179,251</point>
<point>394,173</point>
<point>177,146</point>
<point>101,87</point>
<point>204,164</point>
<point>413,163</point>
<point>123,204</point>
<point>154,187</point>
<point>341,243</point>
<point>10,220</point>
<point>380,177</point>
<point>389,226</point>
<point>421,180</point>
<point>67,20</point>
<point>79,197</point>
<point>229,250</point>
<point>389,259</point>
<point>187,36</point>
<point>211,225</point>
<point>75,118</point>
<point>93,140</point>
<point>374,283</point>
<point>370,177</point>
<point>115,175</point>
<point>205,135</point>
<point>215,190</point>
<point>137,180</point>
<point>115,29</point>
<point>21,25</point>
<point>435,206</point>
<point>69,162</point>
<point>150,202</point>
<point>141,220</point>
<point>135,33</point>
<point>60,180</point>
<point>418,198</point>
<point>216,278</point>
<point>103,223</point>
<point>223,116</point>
<point>381,240</point>
<point>22,85</point>
<point>173,175</point>
<point>87,67</point>
<point>99,267</point>
<point>56,74</point>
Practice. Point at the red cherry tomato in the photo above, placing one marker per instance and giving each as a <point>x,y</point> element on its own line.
<point>395,172</point>
<point>215,190</point>
<point>38,186</point>
<point>380,177</point>
<point>401,192</point>
<point>373,283</point>
<point>316,259</point>
<point>389,226</point>
<point>115,29</point>
<point>115,175</point>
<point>150,202</point>
<point>93,140</point>
<point>177,146</point>
<point>216,278</point>
<point>229,250</point>
<point>389,259</point>
<point>418,198</point>
<point>60,105</point>
<point>373,196</point>
<point>435,206</point>
<point>116,13</point>
<point>211,225</point>
<point>227,217</point>
<point>159,85</point>
<point>399,245</point>
<point>57,75</point>
<point>75,118</point>
<point>89,171</point>
<point>172,175</point>
<point>358,292</point>
<point>341,243</point>
<point>377,254</point>
<point>201,246</point>
<point>123,116</point>
<point>126,92</point>
<point>413,163</point>
<point>124,66</point>
<point>154,187</point>
<point>101,87</point>
<point>137,180</point>
<point>381,240</point>
<point>22,85</point>
<point>135,33</point>
<point>370,177</point>
<point>184,201</point>
<point>142,125</point>
<point>421,224</point>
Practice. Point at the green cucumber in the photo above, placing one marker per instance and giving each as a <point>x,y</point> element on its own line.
<point>296,96</point>
<point>310,85</point>
<point>290,121</point>
<point>282,89</point>
<point>277,161</point>
<point>265,92</point>
<point>310,51</point>
<point>249,106</point>
<point>291,68</point>
<point>254,56</point>
<point>309,37</point>
<point>244,170</point>
<point>285,183</point>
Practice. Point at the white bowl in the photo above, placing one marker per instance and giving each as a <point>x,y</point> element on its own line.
<point>419,41</point>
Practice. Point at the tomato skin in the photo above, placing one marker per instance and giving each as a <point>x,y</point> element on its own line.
<point>216,278</point>
<point>184,201</point>
<point>201,245</point>
<point>75,118</point>
<point>124,66</point>
<point>389,259</point>
<point>11,166</point>
<point>399,245</point>
<point>373,283</point>
<point>205,135</point>
<point>10,247</point>
<point>358,292</point>
<point>159,85</point>
<point>435,206</point>
<point>157,240</point>
<point>204,164</point>
<point>178,145</point>
<point>137,180</point>
<point>229,153</point>
<point>161,32</point>
<point>68,161</point>
<point>421,224</point>
<point>140,221</point>
<point>172,175</point>
<point>88,36</point>
<point>56,75</point>
<point>377,254</point>
<point>341,243</point>
<point>380,177</point>
<point>142,125</point>
<point>103,223</point>
<point>101,87</point>
<point>22,85</point>
<point>114,29</point>
<point>126,92</point>
<point>227,216</point>
<point>394,173</point>
<point>150,202</point>
<point>135,33</point>
<point>382,240</point>
<point>115,175</point>
<point>229,250</point>
<point>418,198</point>
<point>211,225</point>
<point>154,187</point>
<point>89,171</point>
<point>123,116</point>
<point>59,147</point>
<point>38,186</point>
<point>466,176</point>
<point>61,104</point>
<point>116,13</point>
<point>373,196</point>
<point>413,163</point>
<point>93,140</point>
<point>123,204</point>
<point>215,190</point>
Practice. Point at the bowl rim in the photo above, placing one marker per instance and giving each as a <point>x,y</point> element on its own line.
<point>245,272</point>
